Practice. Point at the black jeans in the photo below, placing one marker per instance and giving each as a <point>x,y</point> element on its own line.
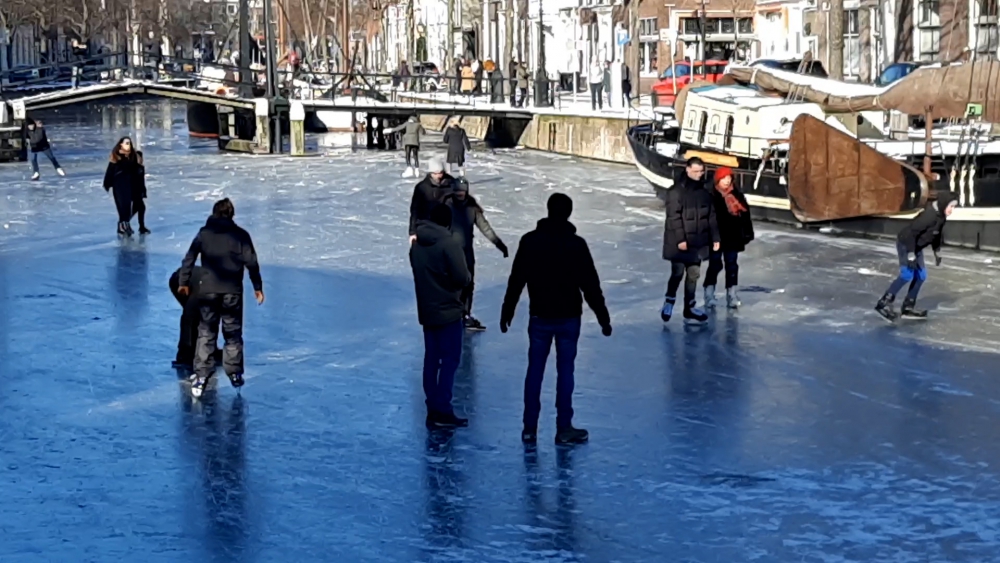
<point>442,354</point>
<point>689,272</point>
<point>715,263</point>
<point>227,309</point>
<point>469,289</point>
<point>139,208</point>
<point>596,101</point>
<point>413,156</point>
<point>190,319</point>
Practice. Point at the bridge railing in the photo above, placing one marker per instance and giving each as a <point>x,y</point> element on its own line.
<point>71,72</point>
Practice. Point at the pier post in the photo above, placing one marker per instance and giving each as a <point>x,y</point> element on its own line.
<point>262,110</point>
<point>297,117</point>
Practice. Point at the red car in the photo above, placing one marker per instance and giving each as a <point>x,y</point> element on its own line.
<point>663,93</point>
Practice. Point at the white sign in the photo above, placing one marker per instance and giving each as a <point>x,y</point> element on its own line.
<point>668,35</point>
<point>18,107</point>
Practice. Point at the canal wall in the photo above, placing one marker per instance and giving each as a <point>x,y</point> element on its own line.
<point>597,138</point>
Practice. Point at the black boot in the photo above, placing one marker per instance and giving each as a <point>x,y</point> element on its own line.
<point>909,310</point>
<point>570,435</point>
<point>884,307</point>
<point>694,315</point>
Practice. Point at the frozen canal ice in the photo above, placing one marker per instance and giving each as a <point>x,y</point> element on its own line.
<point>801,429</point>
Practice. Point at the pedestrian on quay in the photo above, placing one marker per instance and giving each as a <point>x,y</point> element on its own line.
<point>457,140</point>
<point>513,84</point>
<point>626,86</point>
<point>690,233</point>
<point>926,229</point>
<point>477,74</point>
<point>596,79</point>
<point>522,85</point>
<point>606,82</point>
<point>412,131</point>
<point>226,250</point>
<point>38,140</point>
<point>468,79</point>
<point>428,193</point>
<point>439,277</point>
<point>466,214</point>
<point>125,178</point>
<point>732,214</point>
<point>405,75</point>
<point>556,265</point>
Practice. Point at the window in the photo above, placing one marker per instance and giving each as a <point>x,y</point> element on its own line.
<point>691,26</point>
<point>715,124</point>
<point>728,139</point>
<point>701,127</point>
<point>746,25</point>
<point>852,43</point>
<point>648,28</point>
<point>647,58</point>
<point>691,116</point>
<point>929,14</point>
<point>985,34</point>
<point>728,26</point>
<point>930,44</point>
<point>682,70</point>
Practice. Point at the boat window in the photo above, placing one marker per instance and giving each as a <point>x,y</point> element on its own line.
<point>701,128</point>
<point>728,139</point>
<point>682,70</point>
<point>715,124</point>
<point>691,116</point>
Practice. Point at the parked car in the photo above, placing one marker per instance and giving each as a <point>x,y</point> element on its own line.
<point>663,93</point>
<point>894,72</point>
<point>813,68</point>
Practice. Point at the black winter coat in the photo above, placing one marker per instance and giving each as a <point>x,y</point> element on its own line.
<point>439,275</point>
<point>194,284</point>
<point>127,176</point>
<point>691,219</point>
<point>458,142</point>
<point>927,228</point>
<point>425,196</point>
<point>735,231</point>
<point>465,217</point>
<point>225,250</point>
<point>557,267</point>
<point>38,140</point>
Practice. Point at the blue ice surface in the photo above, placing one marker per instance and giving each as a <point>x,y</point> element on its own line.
<point>801,428</point>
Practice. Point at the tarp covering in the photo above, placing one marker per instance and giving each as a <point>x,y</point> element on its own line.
<point>832,175</point>
<point>943,91</point>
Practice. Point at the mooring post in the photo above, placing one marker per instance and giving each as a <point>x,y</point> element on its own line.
<point>262,110</point>
<point>297,117</point>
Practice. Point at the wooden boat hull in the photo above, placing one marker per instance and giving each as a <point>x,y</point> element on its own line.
<point>202,120</point>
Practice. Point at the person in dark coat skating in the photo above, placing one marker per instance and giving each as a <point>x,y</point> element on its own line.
<point>427,193</point>
<point>190,318</point>
<point>458,142</point>
<point>439,276</point>
<point>467,214</point>
<point>732,213</point>
<point>226,250</point>
<point>690,233</point>
<point>926,229</point>
<point>126,179</point>
<point>556,265</point>
<point>38,140</point>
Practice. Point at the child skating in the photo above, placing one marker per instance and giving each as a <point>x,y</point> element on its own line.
<point>924,230</point>
<point>39,142</point>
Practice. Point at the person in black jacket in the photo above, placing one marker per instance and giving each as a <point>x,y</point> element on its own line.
<point>39,143</point>
<point>556,265</point>
<point>467,213</point>
<point>427,193</point>
<point>689,234</point>
<point>225,250</point>
<point>439,276</point>
<point>190,318</point>
<point>458,142</point>
<point>732,213</point>
<point>926,229</point>
<point>126,179</point>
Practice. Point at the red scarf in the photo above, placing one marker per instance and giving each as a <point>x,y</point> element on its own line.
<point>732,203</point>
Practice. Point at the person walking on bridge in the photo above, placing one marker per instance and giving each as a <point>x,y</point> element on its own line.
<point>125,178</point>
<point>39,142</point>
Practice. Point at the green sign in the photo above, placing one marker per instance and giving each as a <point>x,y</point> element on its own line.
<point>974,110</point>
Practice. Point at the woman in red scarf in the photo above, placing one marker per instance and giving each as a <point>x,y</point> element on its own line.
<point>735,229</point>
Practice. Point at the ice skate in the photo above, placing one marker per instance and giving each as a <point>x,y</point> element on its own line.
<point>709,296</point>
<point>198,387</point>
<point>909,310</point>
<point>35,177</point>
<point>694,315</point>
<point>472,324</point>
<point>668,309</point>
<point>569,436</point>
<point>144,231</point>
<point>529,435</point>
<point>236,379</point>
<point>409,172</point>
<point>732,298</point>
<point>884,308</point>
<point>60,172</point>
<point>123,229</point>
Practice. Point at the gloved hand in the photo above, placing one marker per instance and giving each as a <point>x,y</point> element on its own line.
<point>911,261</point>
<point>606,330</point>
<point>937,259</point>
<point>503,248</point>
<point>504,325</point>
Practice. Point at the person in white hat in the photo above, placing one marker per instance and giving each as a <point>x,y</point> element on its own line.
<point>428,193</point>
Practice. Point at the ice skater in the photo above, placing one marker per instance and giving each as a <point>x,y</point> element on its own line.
<point>732,213</point>
<point>466,214</point>
<point>39,142</point>
<point>412,131</point>
<point>458,142</point>
<point>126,179</point>
<point>190,318</point>
<point>427,193</point>
<point>924,230</point>
<point>439,276</point>
<point>689,234</point>
<point>226,251</point>
<point>556,265</point>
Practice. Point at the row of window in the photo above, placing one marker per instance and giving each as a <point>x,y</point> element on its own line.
<point>703,124</point>
<point>692,26</point>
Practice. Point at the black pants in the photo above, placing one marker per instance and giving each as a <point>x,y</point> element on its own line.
<point>715,263</point>
<point>139,208</point>
<point>227,309</point>
<point>595,96</point>
<point>190,319</point>
<point>413,156</point>
<point>689,272</point>
<point>469,289</point>
<point>627,93</point>
<point>524,97</point>
<point>129,204</point>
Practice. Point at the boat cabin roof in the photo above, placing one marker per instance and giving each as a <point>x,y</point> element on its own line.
<point>742,96</point>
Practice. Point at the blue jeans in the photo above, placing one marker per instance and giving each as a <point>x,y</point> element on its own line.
<point>46,152</point>
<point>541,333</point>
<point>442,353</point>
<point>907,275</point>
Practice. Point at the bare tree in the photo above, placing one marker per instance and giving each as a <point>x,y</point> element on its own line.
<point>508,44</point>
<point>835,42</point>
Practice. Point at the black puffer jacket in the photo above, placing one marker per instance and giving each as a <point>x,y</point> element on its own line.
<point>466,216</point>
<point>690,218</point>
<point>927,228</point>
<point>225,250</point>
<point>439,274</point>
<point>127,176</point>
<point>37,138</point>
<point>425,196</point>
<point>735,231</point>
